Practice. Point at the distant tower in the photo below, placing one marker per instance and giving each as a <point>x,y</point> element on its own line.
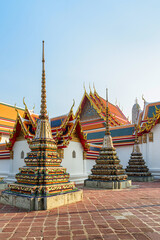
<point>135,112</point>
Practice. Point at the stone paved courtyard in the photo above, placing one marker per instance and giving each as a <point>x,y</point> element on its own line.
<point>103,214</point>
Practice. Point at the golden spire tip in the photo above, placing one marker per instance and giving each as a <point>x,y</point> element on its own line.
<point>107,132</point>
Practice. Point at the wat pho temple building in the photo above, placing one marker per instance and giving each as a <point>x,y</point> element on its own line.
<point>79,136</point>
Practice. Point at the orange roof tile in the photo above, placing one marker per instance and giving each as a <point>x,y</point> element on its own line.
<point>8,116</point>
<point>8,111</point>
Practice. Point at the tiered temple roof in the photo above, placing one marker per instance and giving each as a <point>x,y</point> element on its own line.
<point>92,114</point>
<point>25,124</point>
<point>4,152</point>
<point>8,117</point>
<point>62,133</point>
<point>116,117</point>
<point>149,117</point>
<point>90,125</point>
<point>66,128</point>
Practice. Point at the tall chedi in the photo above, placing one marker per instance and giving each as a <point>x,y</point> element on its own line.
<point>43,183</point>
<point>107,172</point>
<point>137,170</point>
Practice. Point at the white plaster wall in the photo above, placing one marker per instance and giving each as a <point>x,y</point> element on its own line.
<point>151,152</point>
<point>17,162</point>
<point>143,148</point>
<point>5,167</point>
<point>124,153</point>
<point>75,166</point>
<point>88,165</point>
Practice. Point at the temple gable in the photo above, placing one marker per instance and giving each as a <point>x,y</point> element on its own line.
<point>88,112</point>
<point>20,137</point>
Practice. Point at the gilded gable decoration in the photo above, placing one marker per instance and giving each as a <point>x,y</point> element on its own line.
<point>11,154</point>
<point>144,137</point>
<point>84,155</point>
<point>140,139</point>
<point>150,136</point>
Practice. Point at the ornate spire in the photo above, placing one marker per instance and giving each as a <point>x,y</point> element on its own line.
<point>43,112</point>
<point>136,134</point>
<point>107,132</point>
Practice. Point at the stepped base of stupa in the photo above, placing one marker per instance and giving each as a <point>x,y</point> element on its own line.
<point>107,184</point>
<point>32,203</point>
<point>141,178</point>
<point>137,170</point>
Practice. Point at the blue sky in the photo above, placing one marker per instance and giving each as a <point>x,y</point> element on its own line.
<point>114,44</point>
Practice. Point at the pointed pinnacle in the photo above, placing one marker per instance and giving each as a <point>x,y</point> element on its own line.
<point>107,132</point>
<point>43,112</point>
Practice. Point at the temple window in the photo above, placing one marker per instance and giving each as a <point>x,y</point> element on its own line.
<point>22,154</point>
<point>84,155</point>
<point>150,136</point>
<point>11,154</point>
<point>73,154</point>
<point>145,138</point>
<point>140,139</point>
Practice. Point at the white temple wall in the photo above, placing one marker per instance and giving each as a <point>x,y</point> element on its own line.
<point>89,164</point>
<point>151,152</point>
<point>144,151</point>
<point>5,167</point>
<point>124,153</point>
<point>78,168</point>
<point>17,161</point>
<point>75,166</point>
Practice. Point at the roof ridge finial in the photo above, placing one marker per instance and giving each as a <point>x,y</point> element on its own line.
<point>107,132</point>
<point>43,112</point>
<point>143,99</point>
<point>90,88</point>
<point>73,105</point>
<point>84,87</point>
<point>24,103</point>
<point>94,88</point>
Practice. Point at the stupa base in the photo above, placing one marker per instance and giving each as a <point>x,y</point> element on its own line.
<point>141,178</point>
<point>108,184</point>
<point>40,203</point>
